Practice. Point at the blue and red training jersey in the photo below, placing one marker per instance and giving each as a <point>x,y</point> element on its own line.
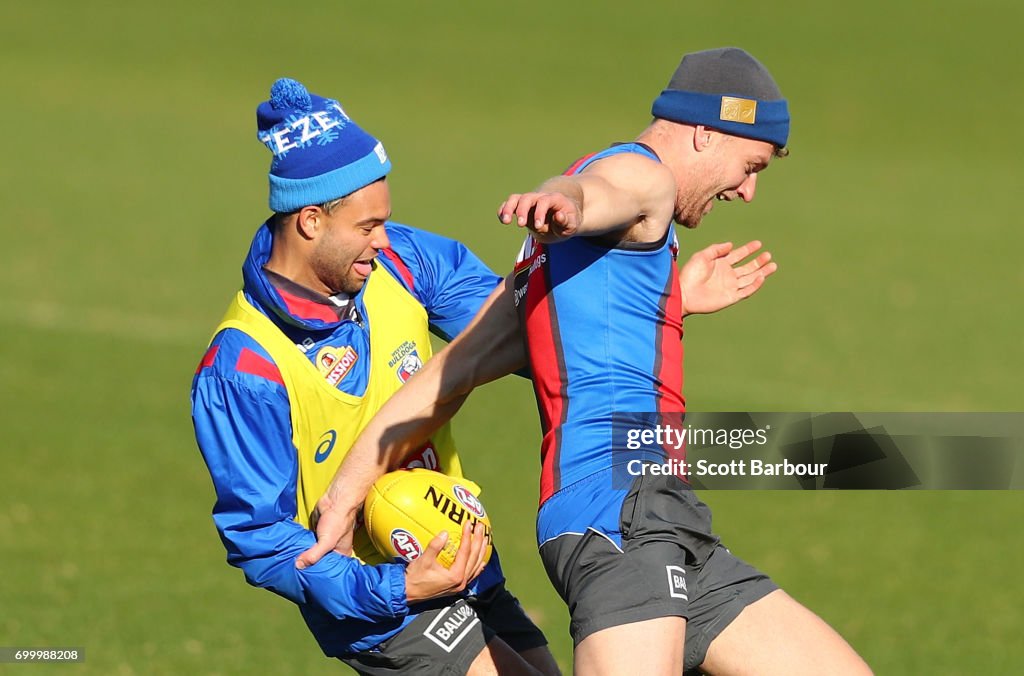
<point>603,326</point>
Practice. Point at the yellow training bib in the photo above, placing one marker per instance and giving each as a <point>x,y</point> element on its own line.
<point>326,421</point>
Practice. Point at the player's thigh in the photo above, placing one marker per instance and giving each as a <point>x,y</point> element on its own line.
<point>542,660</point>
<point>777,635</point>
<point>498,659</point>
<point>445,641</point>
<point>503,613</point>
<point>652,647</point>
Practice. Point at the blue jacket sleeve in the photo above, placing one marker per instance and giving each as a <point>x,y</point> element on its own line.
<point>243,428</point>
<point>449,280</point>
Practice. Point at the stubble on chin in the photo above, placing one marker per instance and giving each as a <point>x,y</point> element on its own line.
<point>689,221</point>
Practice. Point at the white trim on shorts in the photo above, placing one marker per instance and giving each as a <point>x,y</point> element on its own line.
<point>590,528</point>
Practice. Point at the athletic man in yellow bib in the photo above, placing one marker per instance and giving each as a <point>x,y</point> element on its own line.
<point>293,374</point>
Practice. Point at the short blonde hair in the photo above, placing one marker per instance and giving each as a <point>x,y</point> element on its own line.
<point>329,207</point>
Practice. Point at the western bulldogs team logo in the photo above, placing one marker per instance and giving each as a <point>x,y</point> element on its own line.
<point>411,363</point>
<point>407,546</point>
<point>469,501</point>
<point>405,360</point>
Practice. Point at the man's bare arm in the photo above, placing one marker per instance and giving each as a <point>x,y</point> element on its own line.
<point>489,348</point>
<point>622,192</point>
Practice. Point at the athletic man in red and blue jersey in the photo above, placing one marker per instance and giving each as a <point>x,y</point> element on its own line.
<point>598,305</point>
<point>294,372</point>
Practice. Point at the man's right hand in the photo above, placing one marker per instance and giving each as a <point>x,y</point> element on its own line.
<point>716,277</point>
<point>550,216</point>
<point>426,578</point>
<point>334,527</point>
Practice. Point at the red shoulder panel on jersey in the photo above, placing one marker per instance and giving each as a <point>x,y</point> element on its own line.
<point>402,268</point>
<point>574,167</point>
<point>207,360</point>
<point>253,364</point>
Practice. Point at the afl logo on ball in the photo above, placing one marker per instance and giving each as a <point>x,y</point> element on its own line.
<point>469,501</point>
<point>405,545</point>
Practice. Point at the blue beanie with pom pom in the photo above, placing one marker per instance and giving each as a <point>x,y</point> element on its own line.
<point>320,154</point>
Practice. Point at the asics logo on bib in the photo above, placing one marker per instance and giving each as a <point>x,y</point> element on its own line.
<point>325,446</point>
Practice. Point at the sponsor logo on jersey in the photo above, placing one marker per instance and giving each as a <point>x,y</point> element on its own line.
<point>531,258</point>
<point>405,544</point>
<point>452,625</point>
<point>469,501</point>
<point>677,582</point>
<point>336,362</point>
<point>326,445</point>
<point>425,456</point>
<point>537,262</point>
<point>520,291</point>
<point>525,253</point>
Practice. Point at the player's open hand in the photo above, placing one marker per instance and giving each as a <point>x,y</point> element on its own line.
<point>715,278</point>
<point>334,527</point>
<point>427,578</point>
<point>550,216</point>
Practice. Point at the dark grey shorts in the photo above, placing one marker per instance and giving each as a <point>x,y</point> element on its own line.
<point>670,564</point>
<point>445,641</point>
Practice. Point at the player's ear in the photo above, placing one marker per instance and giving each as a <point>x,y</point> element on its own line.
<point>310,221</point>
<point>702,137</point>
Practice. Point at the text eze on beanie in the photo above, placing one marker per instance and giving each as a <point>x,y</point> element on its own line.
<point>320,153</point>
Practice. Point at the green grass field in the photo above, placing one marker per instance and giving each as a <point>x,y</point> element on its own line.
<point>132,182</point>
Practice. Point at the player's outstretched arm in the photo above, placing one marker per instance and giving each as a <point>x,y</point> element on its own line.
<point>621,192</point>
<point>489,348</point>
<point>715,278</point>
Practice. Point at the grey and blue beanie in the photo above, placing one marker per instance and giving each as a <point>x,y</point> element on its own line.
<point>729,90</point>
<point>320,154</point>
